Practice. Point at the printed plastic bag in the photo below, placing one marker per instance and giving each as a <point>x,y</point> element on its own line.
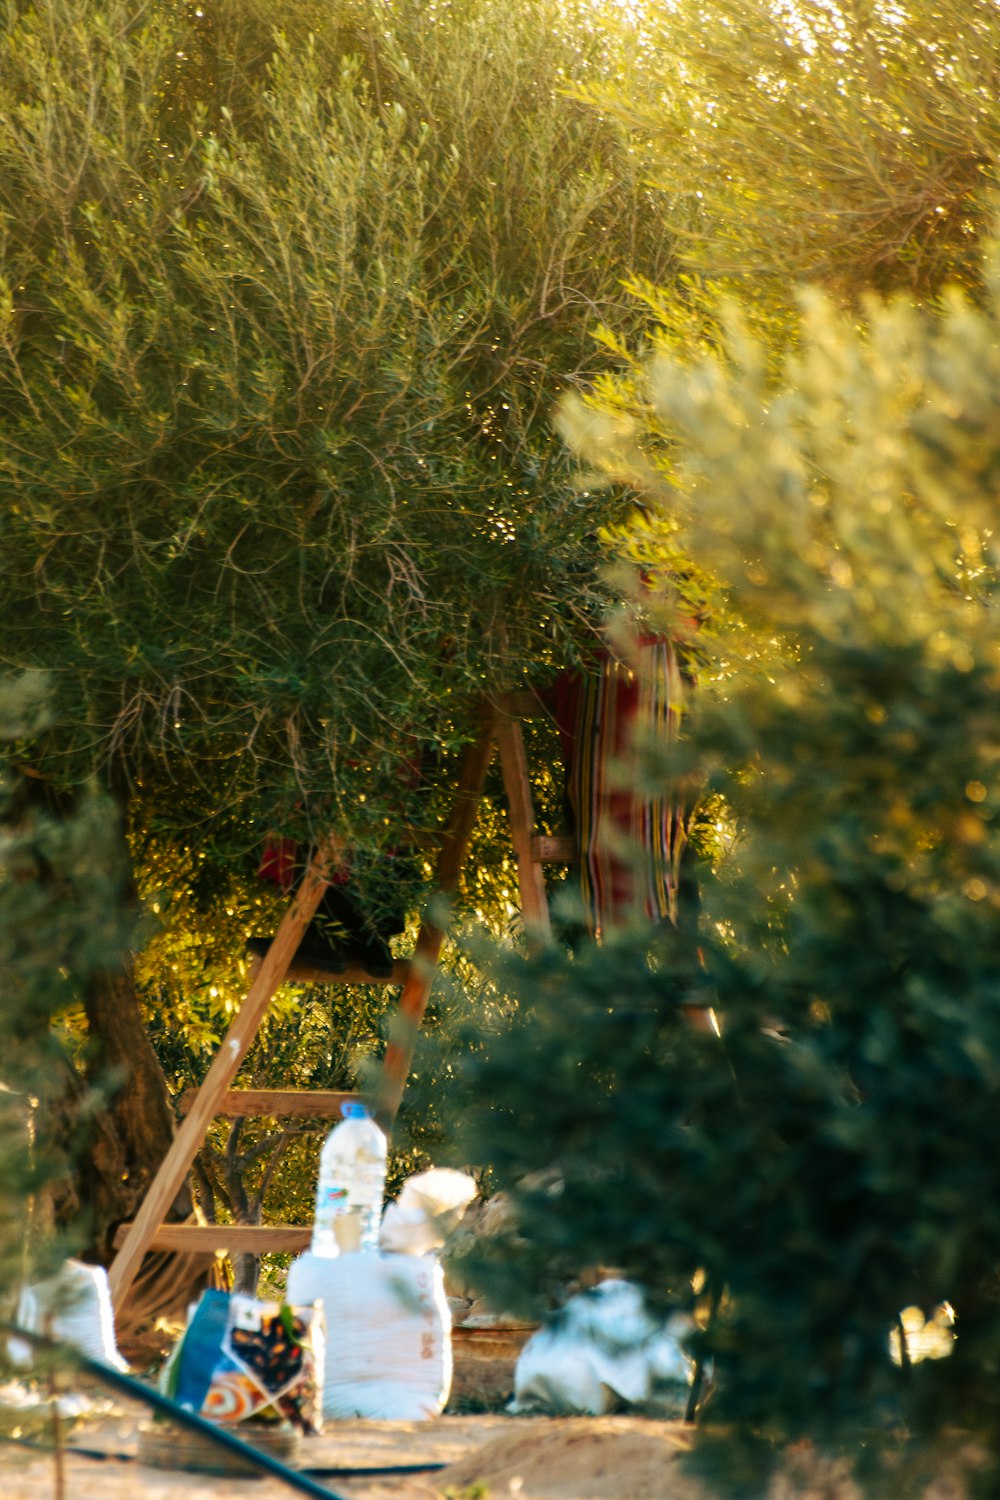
<point>241,1358</point>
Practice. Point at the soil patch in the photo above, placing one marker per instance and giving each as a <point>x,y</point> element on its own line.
<point>580,1458</point>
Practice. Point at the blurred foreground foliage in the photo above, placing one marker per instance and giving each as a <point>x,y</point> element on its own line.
<point>63,919</point>
<point>828,1161</point>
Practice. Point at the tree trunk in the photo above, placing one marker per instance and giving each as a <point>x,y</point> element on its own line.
<point>135,1127</point>
<point>114,1149</point>
<point>131,1134</point>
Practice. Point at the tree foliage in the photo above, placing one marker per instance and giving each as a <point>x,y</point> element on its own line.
<point>873,126</point>
<point>285,298</point>
<point>284,314</point>
<point>849,142</point>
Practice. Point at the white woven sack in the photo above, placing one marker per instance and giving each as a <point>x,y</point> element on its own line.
<point>388,1333</point>
<point>73,1306</point>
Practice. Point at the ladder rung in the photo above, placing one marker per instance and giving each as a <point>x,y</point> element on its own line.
<point>554,847</point>
<point>303,974</point>
<point>295,1104</point>
<point>522,703</point>
<point>216,1239</point>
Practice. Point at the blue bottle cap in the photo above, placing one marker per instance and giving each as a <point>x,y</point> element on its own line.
<point>353,1109</point>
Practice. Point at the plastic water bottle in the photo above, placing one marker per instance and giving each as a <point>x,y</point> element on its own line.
<point>351,1179</point>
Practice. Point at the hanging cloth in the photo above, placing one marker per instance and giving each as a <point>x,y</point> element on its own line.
<point>631,838</point>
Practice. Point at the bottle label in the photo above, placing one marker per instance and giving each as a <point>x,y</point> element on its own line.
<point>331,1198</point>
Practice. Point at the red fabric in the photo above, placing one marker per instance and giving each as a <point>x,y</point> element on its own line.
<point>279,862</point>
<point>283,862</point>
<point>562,698</point>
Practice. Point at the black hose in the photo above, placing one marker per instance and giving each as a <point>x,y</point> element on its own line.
<point>74,1448</point>
<point>139,1392</point>
<point>345,1473</point>
<point>340,1471</point>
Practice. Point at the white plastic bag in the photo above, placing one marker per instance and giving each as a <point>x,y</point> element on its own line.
<point>73,1306</point>
<point>601,1346</point>
<point>388,1333</point>
<point>430,1205</point>
<point>554,1375</point>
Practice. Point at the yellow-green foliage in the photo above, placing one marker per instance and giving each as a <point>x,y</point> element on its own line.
<point>852,143</point>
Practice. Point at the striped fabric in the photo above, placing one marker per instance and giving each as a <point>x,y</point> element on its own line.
<point>631,842</point>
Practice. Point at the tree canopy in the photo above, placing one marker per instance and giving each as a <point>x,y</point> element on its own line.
<point>850,142</point>
<point>859,141</point>
<point>284,314</point>
<point>286,298</point>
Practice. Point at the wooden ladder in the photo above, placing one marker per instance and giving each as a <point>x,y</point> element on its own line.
<point>498,724</point>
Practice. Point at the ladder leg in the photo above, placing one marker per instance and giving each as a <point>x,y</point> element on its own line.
<point>192,1132</point>
<point>517,785</point>
<point>413,1000</point>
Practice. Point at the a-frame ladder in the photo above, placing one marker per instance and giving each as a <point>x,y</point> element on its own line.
<point>498,724</point>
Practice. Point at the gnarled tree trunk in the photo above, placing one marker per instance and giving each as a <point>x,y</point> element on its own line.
<point>135,1126</point>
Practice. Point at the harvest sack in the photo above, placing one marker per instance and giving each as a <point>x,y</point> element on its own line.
<point>429,1207</point>
<point>388,1344</point>
<point>73,1306</point>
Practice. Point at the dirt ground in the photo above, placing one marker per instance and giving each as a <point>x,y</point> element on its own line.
<point>488,1457</point>
<point>474,1452</point>
<point>522,1457</point>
